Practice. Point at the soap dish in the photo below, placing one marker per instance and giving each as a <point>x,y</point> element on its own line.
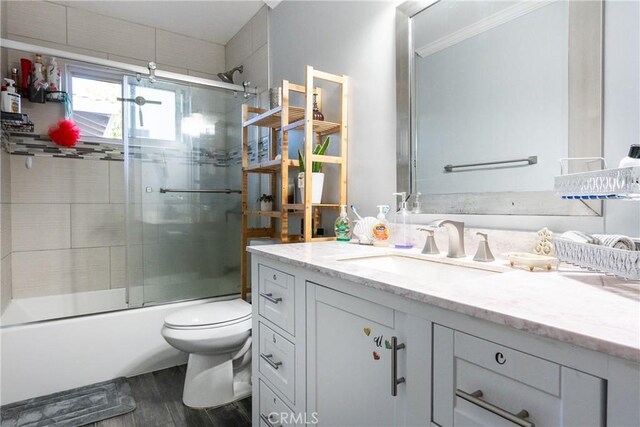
<point>532,260</point>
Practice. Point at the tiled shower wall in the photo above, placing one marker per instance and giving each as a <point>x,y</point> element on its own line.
<point>249,47</point>
<point>67,215</point>
<point>67,225</point>
<point>5,230</point>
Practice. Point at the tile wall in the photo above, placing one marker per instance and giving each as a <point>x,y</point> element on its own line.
<point>249,47</point>
<point>65,217</point>
<point>5,230</point>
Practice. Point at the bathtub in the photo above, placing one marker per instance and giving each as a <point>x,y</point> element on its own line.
<point>54,355</point>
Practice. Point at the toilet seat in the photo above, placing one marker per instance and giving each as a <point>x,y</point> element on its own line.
<point>211,315</point>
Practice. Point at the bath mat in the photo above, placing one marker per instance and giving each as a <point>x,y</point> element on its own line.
<point>75,407</point>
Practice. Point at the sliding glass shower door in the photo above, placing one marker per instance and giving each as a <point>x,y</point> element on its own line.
<point>183,182</point>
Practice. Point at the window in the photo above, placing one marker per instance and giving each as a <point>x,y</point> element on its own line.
<point>94,99</point>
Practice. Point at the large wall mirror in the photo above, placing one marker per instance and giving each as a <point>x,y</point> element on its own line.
<point>491,95</point>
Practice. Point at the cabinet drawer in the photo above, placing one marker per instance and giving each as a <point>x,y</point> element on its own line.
<point>530,370</point>
<point>277,361</point>
<point>481,383</point>
<point>276,297</point>
<point>273,411</point>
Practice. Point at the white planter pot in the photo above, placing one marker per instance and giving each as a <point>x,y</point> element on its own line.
<point>317,184</point>
<point>266,206</point>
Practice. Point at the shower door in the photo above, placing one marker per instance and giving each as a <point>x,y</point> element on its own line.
<point>183,228</point>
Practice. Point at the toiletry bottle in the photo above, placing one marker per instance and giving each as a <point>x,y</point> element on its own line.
<point>380,230</point>
<point>633,159</point>
<point>10,102</point>
<point>38,80</point>
<point>53,73</point>
<point>402,222</point>
<point>343,225</point>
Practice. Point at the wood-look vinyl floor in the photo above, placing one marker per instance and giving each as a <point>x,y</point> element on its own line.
<point>159,404</point>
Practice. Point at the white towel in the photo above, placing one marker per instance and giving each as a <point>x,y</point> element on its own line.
<point>580,237</point>
<point>617,241</point>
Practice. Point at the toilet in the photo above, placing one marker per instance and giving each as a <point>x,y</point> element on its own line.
<point>217,336</point>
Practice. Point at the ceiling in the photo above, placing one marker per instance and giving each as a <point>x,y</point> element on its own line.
<point>215,21</point>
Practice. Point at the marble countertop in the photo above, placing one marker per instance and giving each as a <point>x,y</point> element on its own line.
<point>590,310</point>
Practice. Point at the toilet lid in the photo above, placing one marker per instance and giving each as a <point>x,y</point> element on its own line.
<point>210,313</point>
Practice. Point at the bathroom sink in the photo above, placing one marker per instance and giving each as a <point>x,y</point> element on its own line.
<point>436,270</point>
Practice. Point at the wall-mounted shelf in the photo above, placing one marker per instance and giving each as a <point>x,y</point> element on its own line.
<point>616,184</point>
<point>606,184</point>
<point>282,120</point>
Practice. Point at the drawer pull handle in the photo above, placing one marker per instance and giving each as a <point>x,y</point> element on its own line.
<point>474,398</point>
<point>267,420</point>
<point>394,366</point>
<point>270,297</point>
<point>267,358</point>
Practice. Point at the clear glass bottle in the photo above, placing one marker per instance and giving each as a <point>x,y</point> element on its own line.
<point>402,222</point>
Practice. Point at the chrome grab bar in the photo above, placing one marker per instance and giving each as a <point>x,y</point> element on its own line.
<point>185,190</point>
<point>531,160</point>
<point>518,419</point>
<point>267,358</point>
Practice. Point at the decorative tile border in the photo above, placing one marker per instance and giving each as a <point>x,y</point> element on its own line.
<point>42,146</point>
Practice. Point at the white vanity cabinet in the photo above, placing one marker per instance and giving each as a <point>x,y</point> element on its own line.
<point>367,364</point>
<point>336,352</point>
<point>481,383</point>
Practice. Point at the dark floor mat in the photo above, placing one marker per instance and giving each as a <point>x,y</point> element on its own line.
<point>70,408</point>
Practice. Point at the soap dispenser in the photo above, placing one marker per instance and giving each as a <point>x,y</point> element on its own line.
<point>380,230</point>
<point>402,222</point>
<point>342,226</point>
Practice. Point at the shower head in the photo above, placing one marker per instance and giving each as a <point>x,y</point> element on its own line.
<point>228,76</point>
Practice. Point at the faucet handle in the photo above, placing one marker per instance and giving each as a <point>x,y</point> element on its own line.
<point>484,252</point>
<point>430,246</point>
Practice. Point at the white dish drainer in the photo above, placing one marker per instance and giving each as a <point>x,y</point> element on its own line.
<point>605,184</point>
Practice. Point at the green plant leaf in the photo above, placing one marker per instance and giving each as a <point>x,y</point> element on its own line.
<point>301,160</point>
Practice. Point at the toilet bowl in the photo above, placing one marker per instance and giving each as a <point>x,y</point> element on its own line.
<point>217,336</point>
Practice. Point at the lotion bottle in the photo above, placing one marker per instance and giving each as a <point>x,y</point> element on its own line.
<point>402,222</point>
<point>380,230</point>
<point>10,99</point>
<point>633,159</point>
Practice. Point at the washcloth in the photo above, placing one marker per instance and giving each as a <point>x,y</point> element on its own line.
<point>580,237</point>
<point>616,241</point>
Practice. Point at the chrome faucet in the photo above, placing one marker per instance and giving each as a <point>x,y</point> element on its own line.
<point>456,236</point>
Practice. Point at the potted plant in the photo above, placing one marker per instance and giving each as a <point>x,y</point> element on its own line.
<point>266,202</point>
<point>317,177</point>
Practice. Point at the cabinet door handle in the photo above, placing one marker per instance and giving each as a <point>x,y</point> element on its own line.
<point>270,297</point>
<point>267,358</point>
<point>518,419</point>
<point>267,420</point>
<point>394,366</point>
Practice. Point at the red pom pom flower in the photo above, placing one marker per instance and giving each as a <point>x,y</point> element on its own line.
<point>66,133</point>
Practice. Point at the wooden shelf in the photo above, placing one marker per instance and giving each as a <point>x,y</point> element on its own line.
<point>320,127</point>
<point>270,214</point>
<point>277,223</point>
<point>273,118</point>
<point>271,166</point>
<point>300,206</point>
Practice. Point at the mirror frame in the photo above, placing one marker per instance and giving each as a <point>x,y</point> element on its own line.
<point>584,120</point>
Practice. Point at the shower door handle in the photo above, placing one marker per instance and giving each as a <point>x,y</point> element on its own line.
<point>270,297</point>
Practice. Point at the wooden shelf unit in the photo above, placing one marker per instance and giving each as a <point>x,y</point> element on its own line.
<point>282,120</point>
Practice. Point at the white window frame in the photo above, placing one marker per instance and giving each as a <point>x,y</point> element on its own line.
<point>99,73</point>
